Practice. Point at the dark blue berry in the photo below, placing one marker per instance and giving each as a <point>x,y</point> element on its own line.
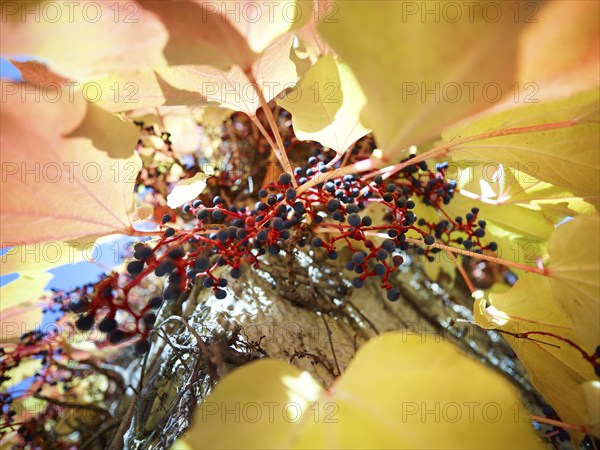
<point>429,240</point>
<point>317,242</point>
<point>393,294</point>
<point>135,267</point>
<point>155,302</point>
<point>333,205</point>
<point>217,214</point>
<point>290,193</point>
<point>357,282</point>
<point>169,232</point>
<point>358,258</point>
<point>354,220</point>
<point>388,245</point>
<point>381,254</point>
<point>166,218</point>
<point>285,178</point>
<point>338,216</point>
<point>116,336</point>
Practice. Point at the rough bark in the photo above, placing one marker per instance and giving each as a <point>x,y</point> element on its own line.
<point>298,311</point>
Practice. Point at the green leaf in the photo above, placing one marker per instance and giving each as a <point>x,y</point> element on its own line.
<point>416,69</point>
<point>395,391</point>
<point>554,141</point>
<point>326,105</point>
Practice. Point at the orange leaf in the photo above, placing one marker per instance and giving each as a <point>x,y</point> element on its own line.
<point>68,167</point>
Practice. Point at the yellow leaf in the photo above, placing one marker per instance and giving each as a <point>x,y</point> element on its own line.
<point>564,154</point>
<point>326,105</point>
<point>24,288</point>
<point>422,71</point>
<point>556,368</point>
<point>560,51</point>
<point>395,392</point>
<point>574,251</point>
<point>40,257</point>
<point>19,320</point>
<point>26,368</point>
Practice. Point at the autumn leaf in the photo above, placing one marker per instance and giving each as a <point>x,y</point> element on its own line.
<point>24,288</point>
<point>556,368</point>
<point>19,320</point>
<point>186,190</point>
<point>326,105</point>
<point>412,377</point>
<point>560,50</point>
<point>69,174</point>
<point>416,70</point>
<point>574,252</point>
<point>201,85</point>
<point>109,37</point>
<point>554,141</point>
<point>225,34</point>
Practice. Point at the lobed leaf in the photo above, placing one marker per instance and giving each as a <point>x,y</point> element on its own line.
<point>416,69</point>
<point>70,175</point>
<point>387,398</point>
<point>326,105</point>
<point>554,141</point>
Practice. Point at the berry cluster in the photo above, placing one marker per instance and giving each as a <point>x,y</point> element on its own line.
<point>329,216</point>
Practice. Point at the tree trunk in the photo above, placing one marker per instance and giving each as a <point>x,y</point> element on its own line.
<point>298,311</point>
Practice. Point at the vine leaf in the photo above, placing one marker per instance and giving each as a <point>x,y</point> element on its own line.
<point>123,37</point>
<point>326,105</point>
<point>186,190</point>
<point>574,253</point>
<point>560,52</point>
<point>366,408</point>
<point>26,287</point>
<point>563,154</point>
<point>273,71</point>
<point>497,185</point>
<point>224,34</point>
<point>557,369</point>
<point>17,320</point>
<point>441,58</point>
<point>82,169</point>
<point>201,85</point>
<point>33,259</point>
